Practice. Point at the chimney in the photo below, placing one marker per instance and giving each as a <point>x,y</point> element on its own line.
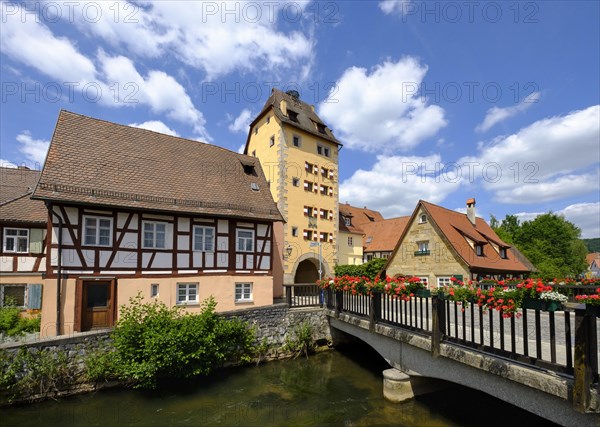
<point>471,210</point>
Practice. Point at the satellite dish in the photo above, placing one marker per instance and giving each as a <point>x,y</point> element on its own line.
<point>293,93</point>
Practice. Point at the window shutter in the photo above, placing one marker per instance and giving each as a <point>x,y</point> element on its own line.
<point>331,174</point>
<point>331,238</point>
<point>305,185</point>
<point>34,297</point>
<point>36,241</point>
<point>331,215</point>
<point>331,191</point>
<point>306,166</point>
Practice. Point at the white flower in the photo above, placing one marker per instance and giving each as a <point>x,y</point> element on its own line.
<point>553,296</point>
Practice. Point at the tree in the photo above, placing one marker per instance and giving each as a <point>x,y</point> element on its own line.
<point>549,241</point>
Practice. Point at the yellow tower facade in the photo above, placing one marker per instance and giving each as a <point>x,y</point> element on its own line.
<point>299,156</point>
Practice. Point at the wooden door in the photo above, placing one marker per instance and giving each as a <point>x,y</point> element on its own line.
<point>98,305</point>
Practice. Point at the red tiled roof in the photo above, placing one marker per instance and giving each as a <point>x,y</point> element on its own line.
<point>594,256</point>
<point>16,187</point>
<point>92,161</point>
<point>455,226</point>
<point>359,216</point>
<point>384,234</point>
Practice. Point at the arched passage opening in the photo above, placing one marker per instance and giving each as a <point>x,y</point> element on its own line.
<point>307,272</point>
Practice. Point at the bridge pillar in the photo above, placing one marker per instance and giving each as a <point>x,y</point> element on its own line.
<point>396,386</point>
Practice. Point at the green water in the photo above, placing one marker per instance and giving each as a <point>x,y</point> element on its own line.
<point>329,389</point>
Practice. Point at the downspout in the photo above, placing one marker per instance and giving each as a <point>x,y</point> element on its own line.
<point>59,265</point>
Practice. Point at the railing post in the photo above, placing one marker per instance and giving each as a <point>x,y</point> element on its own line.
<point>288,295</point>
<point>339,303</point>
<point>374,310</point>
<point>585,343</point>
<point>438,324</point>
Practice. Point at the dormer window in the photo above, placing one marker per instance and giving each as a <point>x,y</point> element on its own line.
<point>479,250</point>
<point>292,115</point>
<point>503,254</point>
<point>369,239</point>
<point>422,219</point>
<point>249,169</point>
<point>347,221</point>
<point>321,128</point>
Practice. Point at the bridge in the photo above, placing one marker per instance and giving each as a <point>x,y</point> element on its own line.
<point>543,362</point>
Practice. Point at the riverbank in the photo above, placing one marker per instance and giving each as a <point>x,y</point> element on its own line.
<point>63,366</point>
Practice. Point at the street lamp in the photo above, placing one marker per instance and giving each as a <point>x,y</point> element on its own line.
<point>288,252</point>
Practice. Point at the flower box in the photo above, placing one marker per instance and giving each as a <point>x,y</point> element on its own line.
<point>543,305</point>
<point>534,304</point>
<point>592,310</point>
<point>423,293</point>
<point>553,306</point>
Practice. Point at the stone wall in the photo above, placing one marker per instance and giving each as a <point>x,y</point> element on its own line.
<point>273,324</point>
<point>276,323</point>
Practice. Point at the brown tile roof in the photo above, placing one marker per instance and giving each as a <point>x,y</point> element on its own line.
<point>384,234</point>
<point>16,186</point>
<point>307,118</point>
<point>359,216</point>
<point>455,225</point>
<point>96,162</point>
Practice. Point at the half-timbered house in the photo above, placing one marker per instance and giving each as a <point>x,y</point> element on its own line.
<point>23,231</point>
<point>134,211</point>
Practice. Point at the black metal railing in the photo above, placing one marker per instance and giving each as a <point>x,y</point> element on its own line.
<point>565,342</point>
<point>303,295</point>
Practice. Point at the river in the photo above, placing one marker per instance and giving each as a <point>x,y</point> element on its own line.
<point>334,388</point>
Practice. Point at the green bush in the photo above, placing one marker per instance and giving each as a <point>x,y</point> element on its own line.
<point>12,324</point>
<point>370,269</point>
<point>29,373</point>
<point>153,341</point>
<point>302,341</point>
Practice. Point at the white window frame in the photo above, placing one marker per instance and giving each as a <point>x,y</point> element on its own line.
<point>15,240</point>
<point>423,246</point>
<point>154,224</point>
<point>203,247</point>
<point>347,221</point>
<point>14,285</point>
<point>97,228</point>
<point>238,240</point>
<point>425,280</point>
<point>423,219</point>
<point>154,290</point>
<point>244,292</point>
<point>187,295</point>
<point>444,281</point>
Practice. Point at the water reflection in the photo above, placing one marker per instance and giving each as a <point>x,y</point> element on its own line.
<point>328,389</point>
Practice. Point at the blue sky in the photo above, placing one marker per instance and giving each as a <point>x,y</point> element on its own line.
<point>440,101</point>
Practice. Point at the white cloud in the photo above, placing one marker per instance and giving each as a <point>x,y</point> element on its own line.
<point>394,6</point>
<point>586,216</point>
<point>33,44</point>
<point>7,164</point>
<point>380,110</point>
<point>158,90</point>
<point>35,150</point>
<point>496,115</point>
<point>241,124</point>
<point>217,37</point>
<point>401,182</point>
<point>156,126</point>
<point>241,148</point>
<point>548,160</point>
<point>115,78</point>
